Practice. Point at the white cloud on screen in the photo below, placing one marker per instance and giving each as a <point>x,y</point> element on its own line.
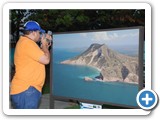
<point>129,35</point>
<point>108,36</point>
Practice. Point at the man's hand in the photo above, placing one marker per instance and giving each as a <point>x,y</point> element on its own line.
<point>43,40</point>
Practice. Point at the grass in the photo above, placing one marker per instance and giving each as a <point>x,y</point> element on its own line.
<point>46,89</point>
<point>73,107</point>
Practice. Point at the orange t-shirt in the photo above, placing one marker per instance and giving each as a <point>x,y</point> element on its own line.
<point>29,72</point>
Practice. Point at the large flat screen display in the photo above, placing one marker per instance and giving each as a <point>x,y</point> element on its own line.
<point>99,66</point>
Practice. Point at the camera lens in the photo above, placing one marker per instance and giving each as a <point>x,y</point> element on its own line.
<point>49,32</point>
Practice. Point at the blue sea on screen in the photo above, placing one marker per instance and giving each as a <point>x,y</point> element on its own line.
<point>68,81</point>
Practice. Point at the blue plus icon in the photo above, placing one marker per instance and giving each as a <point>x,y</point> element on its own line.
<point>147,99</point>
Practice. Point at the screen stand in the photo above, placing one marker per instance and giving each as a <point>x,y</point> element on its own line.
<point>52,101</point>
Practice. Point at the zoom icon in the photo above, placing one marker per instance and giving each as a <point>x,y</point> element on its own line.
<point>147,99</point>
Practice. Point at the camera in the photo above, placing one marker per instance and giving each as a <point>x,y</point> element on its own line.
<point>48,37</point>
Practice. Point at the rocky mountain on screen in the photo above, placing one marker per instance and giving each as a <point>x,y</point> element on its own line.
<point>112,65</point>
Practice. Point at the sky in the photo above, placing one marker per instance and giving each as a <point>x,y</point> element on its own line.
<point>125,37</point>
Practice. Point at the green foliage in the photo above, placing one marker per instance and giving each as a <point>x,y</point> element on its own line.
<point>16,19</point>
<point>73,107</point>
<point>46,89</point>
<point>76,20</point>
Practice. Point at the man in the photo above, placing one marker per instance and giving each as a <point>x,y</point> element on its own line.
<point>30,61</point>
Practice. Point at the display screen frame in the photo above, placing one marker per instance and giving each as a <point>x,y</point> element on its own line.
<point>77,100</point>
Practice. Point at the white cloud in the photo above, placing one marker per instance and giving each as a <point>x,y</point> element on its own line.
<point>129,35</point>
<point>83,34</point>
<point>108,36</point>
<point>104,36</point>
<point>100,36</point>
<point>97,36</point>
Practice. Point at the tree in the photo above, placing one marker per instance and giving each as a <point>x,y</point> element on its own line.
<point>16,19</point>
<point>76,20</point>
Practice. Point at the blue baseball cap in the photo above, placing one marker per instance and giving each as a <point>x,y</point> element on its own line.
<point>33,26</point>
